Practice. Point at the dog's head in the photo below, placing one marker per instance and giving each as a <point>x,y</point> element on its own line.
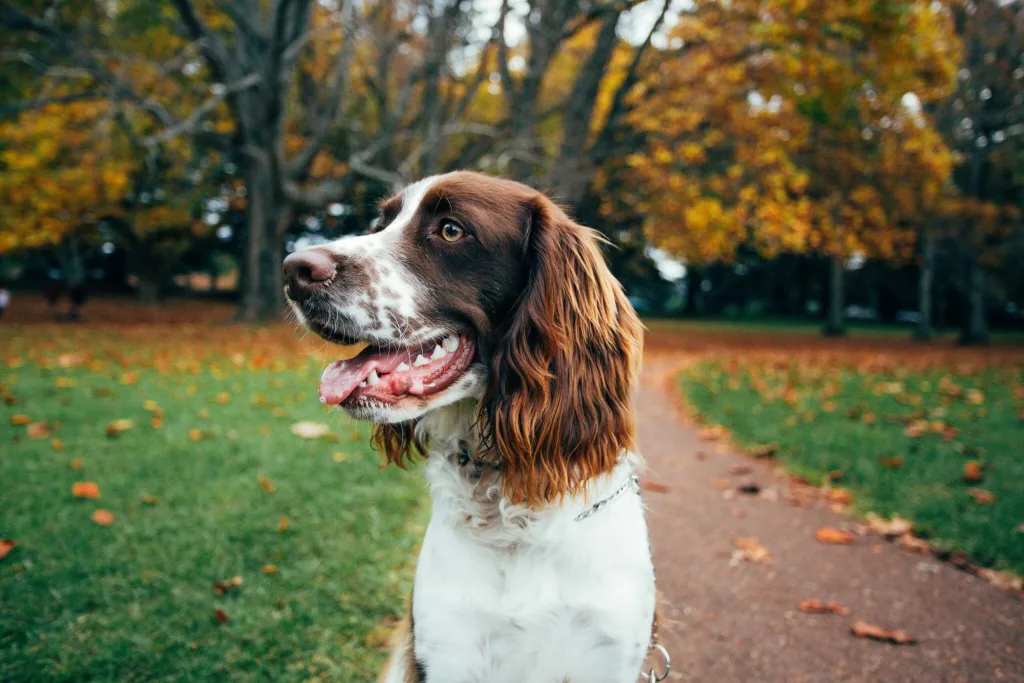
<point>473,287</point>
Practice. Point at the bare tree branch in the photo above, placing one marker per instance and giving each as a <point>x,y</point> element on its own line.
<point>189,123</point>
<point>334,96</point>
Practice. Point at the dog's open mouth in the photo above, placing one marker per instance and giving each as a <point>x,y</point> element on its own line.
<point>388,375</point>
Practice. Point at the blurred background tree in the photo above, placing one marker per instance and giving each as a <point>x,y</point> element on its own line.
<point>801,158</point>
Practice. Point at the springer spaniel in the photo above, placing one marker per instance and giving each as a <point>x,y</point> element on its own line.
<point>494,340</point>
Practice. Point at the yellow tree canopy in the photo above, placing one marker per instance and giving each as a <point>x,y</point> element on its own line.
<point>792,126</point>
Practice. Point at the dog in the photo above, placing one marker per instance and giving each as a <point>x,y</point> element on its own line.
<point>495,341</point>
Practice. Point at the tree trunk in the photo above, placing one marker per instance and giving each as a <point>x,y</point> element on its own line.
<point>975,330</point>
<point>571,173</point>
<point>926,276</point>
<point>262,293</point>
<point>148,291</point>
<point>836,326</point>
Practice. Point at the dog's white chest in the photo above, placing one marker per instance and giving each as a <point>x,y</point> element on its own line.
<point>571,601</point>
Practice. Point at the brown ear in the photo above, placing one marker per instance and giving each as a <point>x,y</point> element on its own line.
<point>397,443</point>
<point>558,408</point>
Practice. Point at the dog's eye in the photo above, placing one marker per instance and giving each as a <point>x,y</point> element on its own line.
<point>452,231</point>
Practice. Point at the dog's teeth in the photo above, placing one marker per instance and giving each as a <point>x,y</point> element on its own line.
<point>362,384</point>
<point>402,367</point>
<point>372,379</point>
<point>420,360</point>
<point>450,344</point>
<point>438,353</point>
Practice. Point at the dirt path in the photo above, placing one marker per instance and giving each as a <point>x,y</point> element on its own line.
<point>740,623</point>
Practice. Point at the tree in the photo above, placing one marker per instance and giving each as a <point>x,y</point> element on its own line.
<point>773,132</point>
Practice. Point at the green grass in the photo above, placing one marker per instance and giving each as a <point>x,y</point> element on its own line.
<point>135,601</point>
<point>854,420</point>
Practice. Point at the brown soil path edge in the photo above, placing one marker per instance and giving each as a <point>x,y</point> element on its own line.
<point>740,623</point>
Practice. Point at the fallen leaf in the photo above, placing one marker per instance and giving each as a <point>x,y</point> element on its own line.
<point>18,420</point>
<point>893,462</point>
<point>897,526</point>
<point>309,430</point>
<point>911,542</point>
<point>38,430</point>
<point>739,470</point>
<point>76,464</point>
<point>282,524</point>
<point>103,517</point>
<point>221,616</point>
<point>713,433</point>
<point>862,629</point>
<point>57,444</point>
<point>721,484</point>
<point>223,397</point>
<point>269,568</point>
<point>150,500</point>
<point>268,486</point>
<point>842,496</point>
<point>916,429</point>
<point>338,456</point>
<point>6,546</point>
<point>654,486</point>
<point>812,606</point>
<point>85,489</point>
<point>1003,580</point>
<point>151,405</point>
<point>981,496</point>
<point>765,450</point>
<point>129,378</point>
<point>222,587</point>
<point>117,426</point>
<point>973,472</point>
<point>831,536</point>
<point>195,434</point>
<point>749,549</point>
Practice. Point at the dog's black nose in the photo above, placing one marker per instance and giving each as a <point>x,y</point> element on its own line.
<point>306,270</point>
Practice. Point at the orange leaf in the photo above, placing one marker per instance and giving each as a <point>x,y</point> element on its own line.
<point>713,433</point>
<point>862,629</point>
<point>195,434</point>
<point>973,472</point>
<point>282,524</point>
<point>267,485</point>
<point>222,587</point>
<point>85,489</point>
<point>981,496</point>
<point>893,462</point>
<point>117,426</point>
<point>269,569</point>
<point>38,430</point>
<point>76,464</point>
<point>20,420</point>
<point>103,517</point>
<point>150,500</point>
<point>221,616</point>
<point>655,486</point>
<point>812,606</point>
<point>832,536</point>
<point>765,450</point>
<point>57,444</point>
<point>751,550</point>
<point>223,397</point>
<point>6,546</point>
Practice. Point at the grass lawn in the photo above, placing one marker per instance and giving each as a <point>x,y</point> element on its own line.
<point>898,438</point>
<point>208,484</point>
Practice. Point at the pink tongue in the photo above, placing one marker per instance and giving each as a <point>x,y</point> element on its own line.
<point>342,377</point>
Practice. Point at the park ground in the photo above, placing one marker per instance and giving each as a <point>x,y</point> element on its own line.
<point>182,507</point>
